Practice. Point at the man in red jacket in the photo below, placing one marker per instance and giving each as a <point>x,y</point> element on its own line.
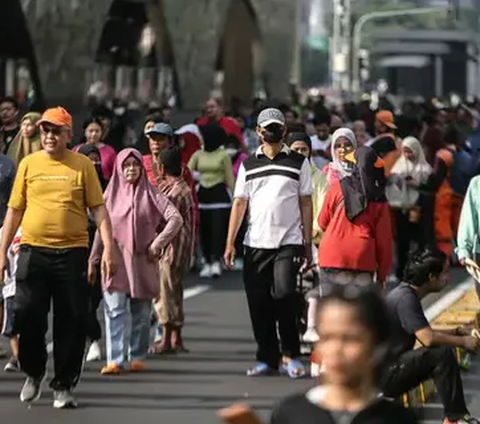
<point>214,113</point>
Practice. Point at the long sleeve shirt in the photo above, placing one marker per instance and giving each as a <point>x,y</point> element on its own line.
<point>469,229</point>
<point>362,245</point>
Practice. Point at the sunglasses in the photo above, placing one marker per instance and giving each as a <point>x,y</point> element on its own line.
<point>46,129</point>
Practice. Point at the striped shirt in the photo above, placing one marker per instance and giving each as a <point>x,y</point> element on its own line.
<point>273,188</point>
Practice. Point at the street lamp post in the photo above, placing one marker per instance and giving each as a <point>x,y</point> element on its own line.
<point>357,34</point>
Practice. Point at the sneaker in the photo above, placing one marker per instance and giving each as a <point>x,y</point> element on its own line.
<point>216,270</point>
<point>94,353</point>
<point>137,366</point>
<point>32,389</point>
<point>111,369</point>
<point>12,366</point>
<point>206,271</point>
<point>465,420</point>
<point>63,399</point>
<point>310,336</point>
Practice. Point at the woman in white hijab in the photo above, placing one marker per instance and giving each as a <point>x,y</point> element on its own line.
<point>343,142</point>
<point>405,196</point>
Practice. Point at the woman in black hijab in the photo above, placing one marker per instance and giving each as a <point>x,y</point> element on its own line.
<point>93,154</point>
<point>94,331</point>
<point>357,244</point>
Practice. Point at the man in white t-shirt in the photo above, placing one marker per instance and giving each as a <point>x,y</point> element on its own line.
<point>8,292</point>
<point>275,184</point>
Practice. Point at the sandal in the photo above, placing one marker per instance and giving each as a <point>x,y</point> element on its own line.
<point>261,369</point>
<point>112,369</point>
<point>294,369</point>
<point>161,349</point>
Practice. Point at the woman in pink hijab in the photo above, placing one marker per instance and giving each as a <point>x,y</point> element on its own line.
<point>144,222</point>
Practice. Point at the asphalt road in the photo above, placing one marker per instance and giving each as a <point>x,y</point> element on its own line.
<point>189,387</point>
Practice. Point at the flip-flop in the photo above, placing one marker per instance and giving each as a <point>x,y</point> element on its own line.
<point>261,369</point>
<point>294,369</point>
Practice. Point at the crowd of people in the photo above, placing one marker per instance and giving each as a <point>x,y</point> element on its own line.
<point>277,192</point>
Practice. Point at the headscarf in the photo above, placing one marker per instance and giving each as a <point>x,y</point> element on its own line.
<point>193,141</point>
<point>299,136</point>
<point>366,184</point>
<point>22,146</point>
<point>136,210</point>
<point>419,169</point>
<point>343,169</point>
<point>399,193</point>
<point>214,136</point>
<point>86,150</point>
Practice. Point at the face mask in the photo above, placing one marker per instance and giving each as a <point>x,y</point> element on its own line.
<point>273,135</point>
<point>231,152</point>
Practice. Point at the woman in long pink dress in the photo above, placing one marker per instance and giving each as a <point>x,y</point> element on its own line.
<point>144,222</point>
<point>92,134</point>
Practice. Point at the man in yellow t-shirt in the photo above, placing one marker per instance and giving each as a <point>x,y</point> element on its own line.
<point>51,194</point>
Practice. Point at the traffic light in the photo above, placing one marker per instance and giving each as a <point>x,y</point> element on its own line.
<point>364,64</point>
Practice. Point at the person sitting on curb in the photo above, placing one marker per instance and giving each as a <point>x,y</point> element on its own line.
<point>426,272</point>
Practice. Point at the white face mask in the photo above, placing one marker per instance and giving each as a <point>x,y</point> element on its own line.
<point>231,152</point>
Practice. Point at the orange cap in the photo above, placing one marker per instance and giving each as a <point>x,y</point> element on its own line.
<point>56,116</point>
<point>386,118</point>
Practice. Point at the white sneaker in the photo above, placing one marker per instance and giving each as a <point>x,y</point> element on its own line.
<point>206,271</point>
<point>216,270</point>
<point>310,336</point>
<point>94,353</point>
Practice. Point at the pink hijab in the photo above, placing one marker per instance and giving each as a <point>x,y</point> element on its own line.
<point>136,210</point>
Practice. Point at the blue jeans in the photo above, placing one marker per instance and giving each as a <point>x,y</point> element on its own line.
<point>115,327</point>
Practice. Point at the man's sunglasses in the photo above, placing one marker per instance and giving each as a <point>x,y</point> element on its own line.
<point>51,129</point>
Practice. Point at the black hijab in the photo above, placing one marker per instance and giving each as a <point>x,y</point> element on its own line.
<point>299,136</point>
<point>214,136</point>
<point>366,184</point>
<point>86,150</point>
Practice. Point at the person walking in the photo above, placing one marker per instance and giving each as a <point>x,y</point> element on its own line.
<point>275,184</point>
<point>27,139</point>
<point>138,210</point>
<point>175,262</point>
<point>52,191</point>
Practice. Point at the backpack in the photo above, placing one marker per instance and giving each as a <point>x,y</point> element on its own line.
<point>463,170</point>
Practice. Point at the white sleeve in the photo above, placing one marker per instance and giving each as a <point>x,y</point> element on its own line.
<point>241,190</point>
<point>305,179</point>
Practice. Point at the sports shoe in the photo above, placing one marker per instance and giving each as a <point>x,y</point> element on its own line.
<point>94,353</point>
<point>206,271</point>
<point>310,336</point>
<point>216,270</point>
<point>32,389</point>
<point>63,399</point>
<point>12,366</point>
<point>465,420</point>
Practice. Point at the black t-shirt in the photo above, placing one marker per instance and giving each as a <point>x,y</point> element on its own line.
<point>408,317</point>
<point>297,409</point>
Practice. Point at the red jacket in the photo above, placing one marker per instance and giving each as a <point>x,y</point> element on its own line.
<point>228,124</point>
<point>364,245</point>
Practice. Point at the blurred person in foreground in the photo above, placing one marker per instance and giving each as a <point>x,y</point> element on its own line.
<point>355,336</point>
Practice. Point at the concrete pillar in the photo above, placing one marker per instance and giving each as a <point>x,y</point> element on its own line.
<point>195,28</point>
<point>65,35</point>
<point>237,49</point>
<point>275,23</point>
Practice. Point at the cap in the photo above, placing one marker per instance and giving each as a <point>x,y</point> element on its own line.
<point>57,116</point>
<point>161,129</point>
<point>386,118</point>
<point>270,116</point>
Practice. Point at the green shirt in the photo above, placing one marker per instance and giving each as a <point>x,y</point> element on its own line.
<point>213,168</point>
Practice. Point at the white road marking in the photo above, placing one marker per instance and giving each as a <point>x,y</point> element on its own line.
<point>187,294</point>
<point>195,291</point>
<point>442,304</point>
